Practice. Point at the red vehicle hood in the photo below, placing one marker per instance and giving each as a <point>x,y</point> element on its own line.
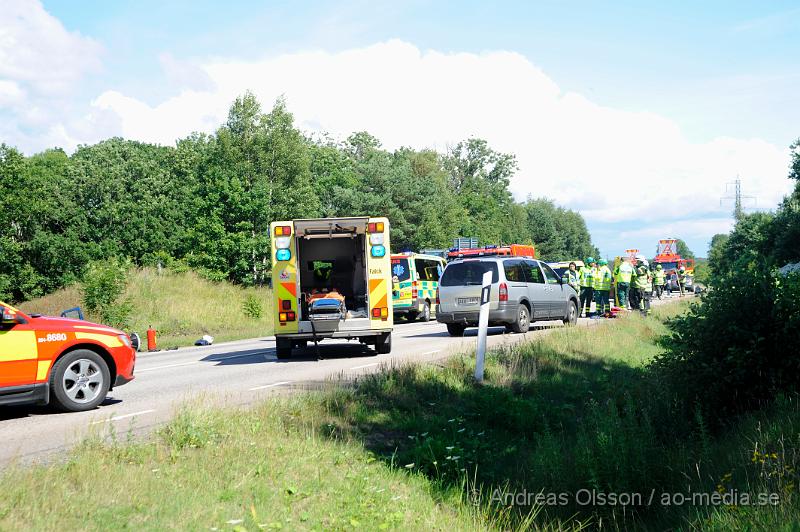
<point>73,324</point>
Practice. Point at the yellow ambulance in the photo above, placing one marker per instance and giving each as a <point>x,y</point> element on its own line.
<point>331,278</point>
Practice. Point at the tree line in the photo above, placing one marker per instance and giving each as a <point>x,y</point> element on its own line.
<point>207,202</point>
<point>738,351</point>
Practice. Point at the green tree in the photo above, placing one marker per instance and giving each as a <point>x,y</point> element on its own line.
<point>480,178</point>
<point>683,250</point>
<point>256,169</point>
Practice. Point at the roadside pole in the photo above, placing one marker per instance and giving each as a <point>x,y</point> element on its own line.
<point>483,326</point>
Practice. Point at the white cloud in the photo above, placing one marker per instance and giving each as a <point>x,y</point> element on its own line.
<point>685,229</point>
<point>611,164</point>
<point>41,65</point>
<point>36,49</point>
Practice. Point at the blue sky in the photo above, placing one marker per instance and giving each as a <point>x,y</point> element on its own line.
<point>713,84</point>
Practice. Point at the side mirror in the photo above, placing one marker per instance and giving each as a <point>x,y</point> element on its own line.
<point>9,317</point>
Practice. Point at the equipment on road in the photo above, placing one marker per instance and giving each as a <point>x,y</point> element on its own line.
<point>331,278</point>
<point>151,339</point>
<point>71,363</point>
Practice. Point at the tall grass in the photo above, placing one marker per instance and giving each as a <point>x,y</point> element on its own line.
<point>182,307</point>
<point>424,447</point>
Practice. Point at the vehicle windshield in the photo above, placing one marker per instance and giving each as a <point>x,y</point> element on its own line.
<point>468,273</point>
<point>401,270</point>
<point>669,265</point>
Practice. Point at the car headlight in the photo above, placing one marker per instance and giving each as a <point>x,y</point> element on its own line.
<point>124,339</point>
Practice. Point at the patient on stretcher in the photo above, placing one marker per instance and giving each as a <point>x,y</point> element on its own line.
<point>326,304</point>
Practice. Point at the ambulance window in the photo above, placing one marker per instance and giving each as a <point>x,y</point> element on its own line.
<point>321,269</point>
<point>401,269</point>
<point>427,270</point>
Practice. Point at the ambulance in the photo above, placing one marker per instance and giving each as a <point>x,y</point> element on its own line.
<point>331,278</point>
<point>69,363</point>
<point>415,279</point>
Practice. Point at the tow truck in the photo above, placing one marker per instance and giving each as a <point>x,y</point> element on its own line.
<point>331,278</point>
<point>669,259</point>
<point>69,363</point>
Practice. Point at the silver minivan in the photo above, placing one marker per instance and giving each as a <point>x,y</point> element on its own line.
<point>523,290</point>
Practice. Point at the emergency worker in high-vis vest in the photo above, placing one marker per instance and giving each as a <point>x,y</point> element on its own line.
<point>622,275</point>
<point>602,287</point>
<point>586,281</point>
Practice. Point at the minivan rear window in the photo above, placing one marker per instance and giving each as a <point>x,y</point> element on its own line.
<point>468,273</point>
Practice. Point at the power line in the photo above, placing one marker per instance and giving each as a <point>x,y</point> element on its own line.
<point>737,197</point>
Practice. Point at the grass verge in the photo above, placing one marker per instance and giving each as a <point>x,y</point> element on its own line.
<point>571,414</point>
<point>182,307</point>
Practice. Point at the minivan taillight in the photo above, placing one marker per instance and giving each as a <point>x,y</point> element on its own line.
<point>437,295</point>
<point>503,292</point>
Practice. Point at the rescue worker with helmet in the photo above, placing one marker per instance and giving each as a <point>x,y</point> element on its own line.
<point>622,274</point>
<point>682,280</point>
<point>602,287</point>
<point>586,281</point>
<point>642,285</point>
<point>659,280</point>
<point>571,277</point>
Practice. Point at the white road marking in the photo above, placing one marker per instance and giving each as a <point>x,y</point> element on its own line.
<point>367,365</point>
<point>269,385</point>
<point>117,418</point>
<point>167,366</point>
<point>433,352</point>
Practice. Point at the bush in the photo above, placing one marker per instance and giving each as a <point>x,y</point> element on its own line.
<point>252,307</point>
<point>737,349</point>
<point>103,286</point>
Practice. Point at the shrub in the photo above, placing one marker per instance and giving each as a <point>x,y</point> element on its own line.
<point>738,348</point>
<point>103,286</point>
<point>252,307</point>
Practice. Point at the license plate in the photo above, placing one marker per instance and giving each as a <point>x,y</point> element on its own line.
<point>468,300</point>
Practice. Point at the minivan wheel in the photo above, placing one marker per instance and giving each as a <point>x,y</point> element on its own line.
<point>79,381</point>
<point>523,321</point>
<point>572,314</point>
<point>455,329</point>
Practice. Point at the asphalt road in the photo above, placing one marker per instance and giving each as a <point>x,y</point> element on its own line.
<point>235,373</point>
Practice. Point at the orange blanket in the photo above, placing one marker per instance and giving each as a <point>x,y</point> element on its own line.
<point>332,294</point>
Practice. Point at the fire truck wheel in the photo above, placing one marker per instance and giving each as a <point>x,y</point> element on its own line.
<point>383,344</point>
<point>426,312</point>
<point>79,381</point>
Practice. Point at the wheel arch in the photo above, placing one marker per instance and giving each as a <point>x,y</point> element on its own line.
<point>99,350</point>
